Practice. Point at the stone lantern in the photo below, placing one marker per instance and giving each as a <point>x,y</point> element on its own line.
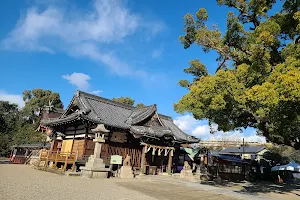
<point>95,167</point>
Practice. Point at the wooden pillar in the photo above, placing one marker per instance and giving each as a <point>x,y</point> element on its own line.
<point>143,159</point>
<point>52,145</point>
<point>85,138</point>
<point>170,161</point>
<point>73,139</point>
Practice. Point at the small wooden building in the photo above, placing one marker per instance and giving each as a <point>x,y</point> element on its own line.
<point>148,137</point>
<point>228,167</point>
<point>20,153</point>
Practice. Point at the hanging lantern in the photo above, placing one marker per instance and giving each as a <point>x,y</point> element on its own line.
<point>49,131</point>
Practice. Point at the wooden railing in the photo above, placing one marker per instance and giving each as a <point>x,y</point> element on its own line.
<point>58,157</point>
<point>33,154</point>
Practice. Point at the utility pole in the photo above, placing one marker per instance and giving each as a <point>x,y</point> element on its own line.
<point>243,155</point>
<point>243,147</point>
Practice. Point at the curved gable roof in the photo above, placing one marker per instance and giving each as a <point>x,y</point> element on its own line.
<point>115,114</point>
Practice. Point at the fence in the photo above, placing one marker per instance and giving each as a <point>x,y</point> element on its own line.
<point>56,157</point>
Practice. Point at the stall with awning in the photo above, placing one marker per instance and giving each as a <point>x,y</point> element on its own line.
<point>191,152</point>
<point>292,166</point>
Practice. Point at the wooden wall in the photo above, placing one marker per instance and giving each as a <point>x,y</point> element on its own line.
<point>89,147</point>
<point>135,153</point>
<point>79,146</point>
<point>80,139</point>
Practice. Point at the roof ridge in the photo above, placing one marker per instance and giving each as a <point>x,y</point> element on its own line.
<point>145,107</point>
<point>109,101</point>
<point>146,112</point>
<point>164,116</point>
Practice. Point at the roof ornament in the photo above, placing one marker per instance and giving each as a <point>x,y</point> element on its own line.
<point>50,106</point>
<point>167,131</point>
<point>100,128</point>
<point>129,120</point>
<point>83,112</point>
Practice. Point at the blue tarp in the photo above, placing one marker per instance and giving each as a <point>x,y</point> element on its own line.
<point>229,158</point>
<point>292,166</point>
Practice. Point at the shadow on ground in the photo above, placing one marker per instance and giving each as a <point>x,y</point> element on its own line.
<point>5,162</point>
<point>267,187</point>
<point>254,188</point>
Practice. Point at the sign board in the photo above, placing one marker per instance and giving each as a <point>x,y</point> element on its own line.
<point>116,159</point>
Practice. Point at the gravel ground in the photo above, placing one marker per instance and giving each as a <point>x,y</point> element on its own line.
<point>22,182</point>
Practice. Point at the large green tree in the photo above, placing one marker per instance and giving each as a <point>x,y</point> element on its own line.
<point>124,100</point>
<point>140,105</point>
<point>18,126</point>
<point>8,119</point>
<point>129,101</point>
<point>36,99</point>
<point>257,82</point>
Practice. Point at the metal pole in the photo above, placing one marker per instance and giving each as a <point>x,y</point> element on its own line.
<point>243,147</point>
<point>243,158</point>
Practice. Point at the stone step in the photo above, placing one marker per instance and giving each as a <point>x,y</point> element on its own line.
<point>72,173</point>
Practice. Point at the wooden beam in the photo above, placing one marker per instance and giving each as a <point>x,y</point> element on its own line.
<point>157,147</point>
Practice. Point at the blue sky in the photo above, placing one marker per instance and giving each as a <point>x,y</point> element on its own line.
<point>111,48</point>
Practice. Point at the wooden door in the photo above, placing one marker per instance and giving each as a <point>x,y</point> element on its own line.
<point>67,146</point>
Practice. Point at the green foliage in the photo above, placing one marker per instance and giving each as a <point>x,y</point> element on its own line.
<point>36,99</point>
<point>257,83</point>
<point>8,118</point>
<point>140,105</point>
<point>281,154</point>
<point>129,101</point>
<point>124,100</point>
<point>18,126</point>
<point>25,133</point>
<point>196,69</point>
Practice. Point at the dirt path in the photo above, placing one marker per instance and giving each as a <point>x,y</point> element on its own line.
<point>167,191</point>
<point>22,182</point>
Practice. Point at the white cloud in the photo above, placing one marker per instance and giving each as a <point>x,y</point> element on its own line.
<point>186,122</point>
<point>80,80</point>
<point>12,98</point>
<point>200,128</point>
<point>96,92</point>
<point>109,21</point>
<point>81,33</point>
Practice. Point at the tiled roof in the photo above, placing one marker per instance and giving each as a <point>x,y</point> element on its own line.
<point>35,145</point>
<point>177,132</point>
<point>252,149</point>
<point>141,114</point>
<point>115,114</point>
<point>229,158</point>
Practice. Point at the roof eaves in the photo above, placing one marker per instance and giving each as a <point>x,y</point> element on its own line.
<point>58,121</point>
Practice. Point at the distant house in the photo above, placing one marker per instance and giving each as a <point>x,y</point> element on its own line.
<point>252,152</point>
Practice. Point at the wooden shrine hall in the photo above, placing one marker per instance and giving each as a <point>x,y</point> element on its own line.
<point>149,138</point>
